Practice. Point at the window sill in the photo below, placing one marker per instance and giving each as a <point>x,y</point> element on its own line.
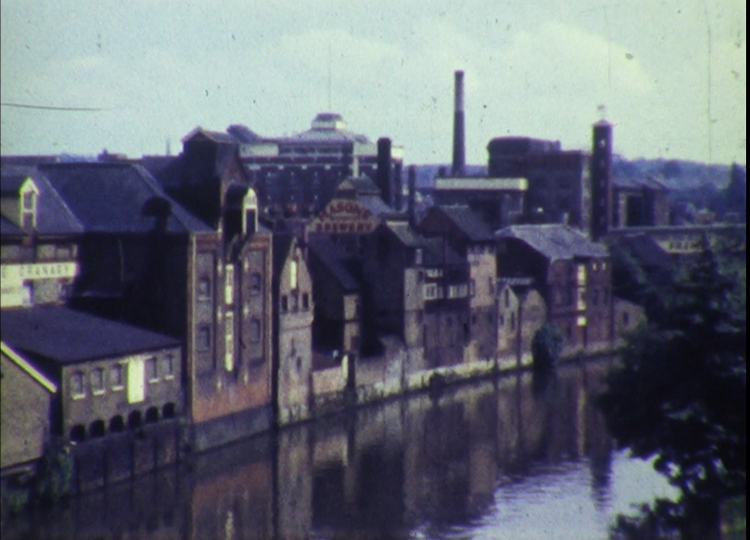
<point>78,397</point>
<point>118,388</point>
<point>98,392</point>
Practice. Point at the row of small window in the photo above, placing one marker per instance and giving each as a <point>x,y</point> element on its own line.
<point>117,376</point>
<point>291,302</point>
<point>433,291</point>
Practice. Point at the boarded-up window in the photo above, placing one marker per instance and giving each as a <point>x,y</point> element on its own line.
<point>136,380</point>
<point>229,285</point>
<point>229,342</point>
<point>293,268</point>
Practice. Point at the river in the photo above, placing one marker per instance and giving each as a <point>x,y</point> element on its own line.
<point>510,458</point>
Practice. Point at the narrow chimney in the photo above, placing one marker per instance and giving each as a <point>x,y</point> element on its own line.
<point>384,170</point>
<point>459,149</point>
<point>412,203</point>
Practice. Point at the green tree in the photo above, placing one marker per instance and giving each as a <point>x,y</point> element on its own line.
<point>680,393</point>
<point>546,346</point>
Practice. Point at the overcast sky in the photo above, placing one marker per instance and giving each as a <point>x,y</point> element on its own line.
<point>672,74</point>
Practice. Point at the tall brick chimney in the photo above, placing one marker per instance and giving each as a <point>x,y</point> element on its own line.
<point>459,145</point>
<point>384,175</point>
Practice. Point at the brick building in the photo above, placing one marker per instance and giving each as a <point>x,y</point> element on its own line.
<point>572,274</point>
<point>640,202</point>
<point>298,175</point>
<point>473,240</point>
<point>292,331</point>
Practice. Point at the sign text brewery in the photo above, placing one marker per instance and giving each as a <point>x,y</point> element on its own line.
<point>344,216</point>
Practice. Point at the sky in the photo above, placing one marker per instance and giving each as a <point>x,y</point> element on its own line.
<point>670,75</point>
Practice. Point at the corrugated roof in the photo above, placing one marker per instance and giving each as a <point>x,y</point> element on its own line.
<point>116,197</point>
<point>332,257</point>
<point>67,336</point>
<point>554,241</point>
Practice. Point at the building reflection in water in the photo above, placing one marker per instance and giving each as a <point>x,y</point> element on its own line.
<point>424,463</point>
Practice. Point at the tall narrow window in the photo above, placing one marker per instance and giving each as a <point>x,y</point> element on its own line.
<point>229,342</point>
<point>255,283</point>
<point>204,289</point>
<point>168,366</point>
<point>151,370</point>
<point>581,274</point>
<point>229,285</point>
<point>255,330</point>
<point>76,385</point>
<point>293,268</point>
<point>97,381</point>
<point>117,378</point>
<point>203,341</point>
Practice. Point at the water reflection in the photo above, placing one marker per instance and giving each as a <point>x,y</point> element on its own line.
<point>490,459</point>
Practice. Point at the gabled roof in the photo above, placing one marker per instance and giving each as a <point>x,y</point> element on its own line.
<point>26,366</point>
<point>116,198</point>
<point>647,182</point>
<point>333,258</point>
<point>554,241</point>
<point>11,184</point>
<point>404,233</point>
<point>438,253</point>
<point>53,216</point>
<point>66,336</point>
<point>282,244</point>
<point>8,228</point>
<point>243,134</point>
<point>467,221</point>
<point>647,250</point>
<point>215,136</point>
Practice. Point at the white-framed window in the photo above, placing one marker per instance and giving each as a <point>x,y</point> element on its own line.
<point>169,366</point>
<point>117,377</point>
<point>581,274</point>
<point>97,381</point>
<point>430,291</point>
<point>77,390</point>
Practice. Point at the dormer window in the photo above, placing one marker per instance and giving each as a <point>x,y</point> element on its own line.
<point>28,205</point>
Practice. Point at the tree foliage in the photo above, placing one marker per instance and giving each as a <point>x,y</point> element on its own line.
<point>680,393</point>
<point>546,346</point>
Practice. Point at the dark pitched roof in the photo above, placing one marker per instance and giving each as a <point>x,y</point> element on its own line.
<point>282,243</point>
<point>554,241</point>
<point>364,185</point>
<point>438,252</point>
<point>243,134</point>
<point>8,228</point>
<point>215,136</point>
<point>648,182</point>
<point>10,184</point>
<point>404,233</point>
<point>647,251</point>
<point>67,336</point>
<point>53,215</point>
<point>467,221</point>
<point>376,205</point>
<point>333,258</point>
<point>116,197</point>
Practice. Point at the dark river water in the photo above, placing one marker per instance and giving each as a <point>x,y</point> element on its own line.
<point>497,459</point>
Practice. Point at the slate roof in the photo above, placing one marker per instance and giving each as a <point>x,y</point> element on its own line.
<point>376,205</point>
<point>554,241</point>
<point>364,185</point>
<point>115,198</point>
<point>215,136</point>
<point>8,228</point>
<point>243,134</point>
<point>648,182</point>
<point>467,221</point>
<point>333,258</point>
<point>405,233</point>
<point>10,184</point>
<point>53,215</point>
<point>67,336</point>
<point>438,253</point>
<point>647,251</point>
